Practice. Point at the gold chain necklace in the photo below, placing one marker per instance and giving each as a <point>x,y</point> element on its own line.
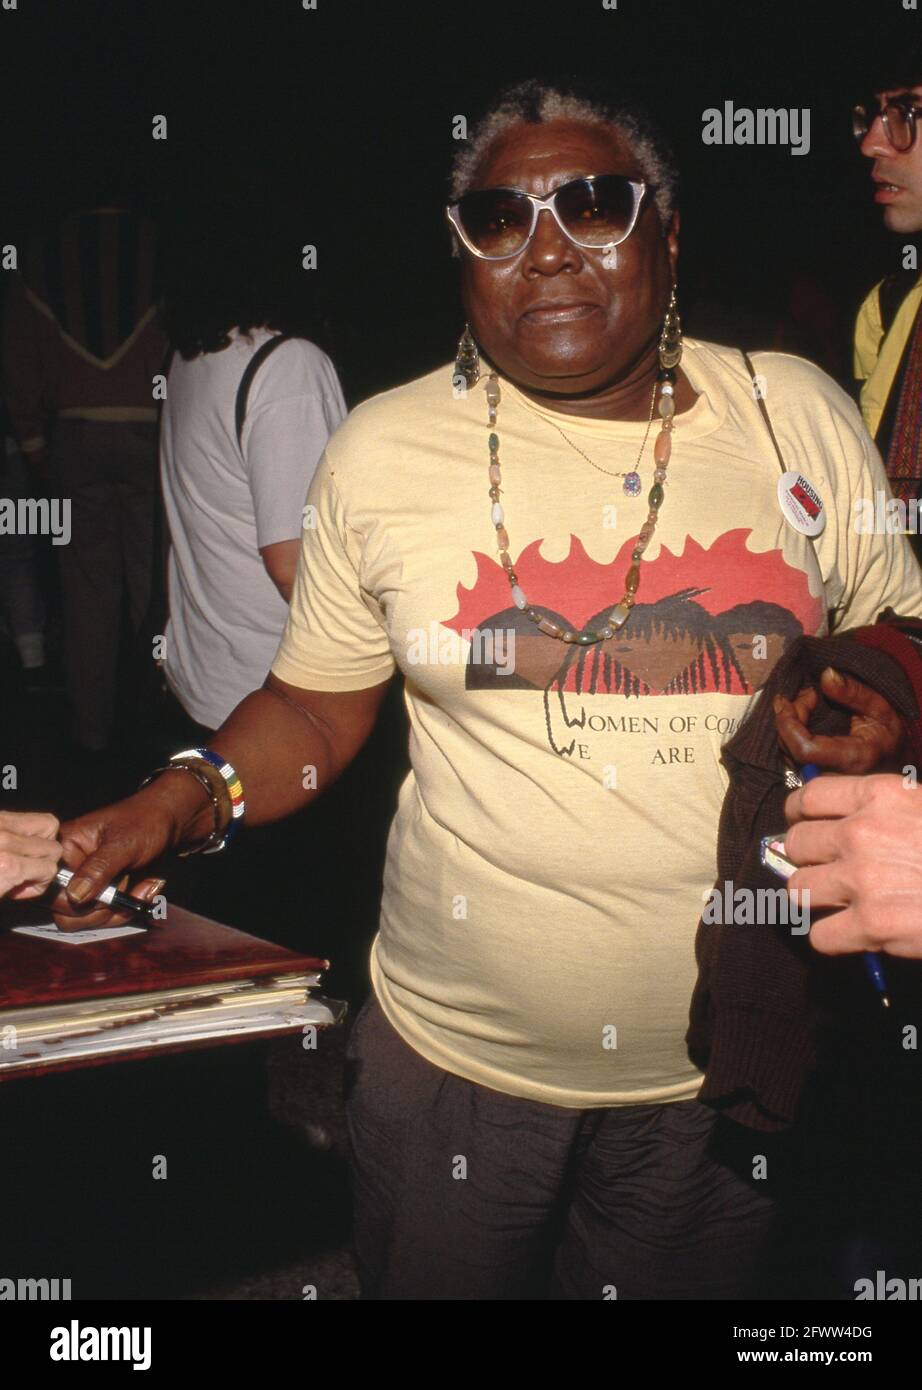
<point>632,482</point>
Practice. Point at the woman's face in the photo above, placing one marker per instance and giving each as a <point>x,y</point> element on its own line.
<point>612,317</point>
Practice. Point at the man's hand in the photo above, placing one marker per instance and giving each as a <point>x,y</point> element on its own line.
<point>875,736</point>
<point>29,852</point>
<point>862,837</point>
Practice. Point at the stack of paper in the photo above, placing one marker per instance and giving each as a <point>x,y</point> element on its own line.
<point>75,999</point>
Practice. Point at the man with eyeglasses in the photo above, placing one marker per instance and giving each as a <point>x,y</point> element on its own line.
<point>888,333</point>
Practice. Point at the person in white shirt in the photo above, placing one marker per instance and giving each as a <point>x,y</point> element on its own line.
<point>235,506</point>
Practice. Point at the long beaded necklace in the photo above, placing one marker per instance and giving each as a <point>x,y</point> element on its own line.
<point>670,352</point>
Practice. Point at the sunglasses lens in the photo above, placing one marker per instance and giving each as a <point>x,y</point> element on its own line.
<point>597,212</point>
<point>495,221</point>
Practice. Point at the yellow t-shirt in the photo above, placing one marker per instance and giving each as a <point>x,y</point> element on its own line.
<point>556,836</point>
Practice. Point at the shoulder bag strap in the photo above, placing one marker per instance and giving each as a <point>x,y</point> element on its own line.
<point>760,401</point>
<point>246,381</point>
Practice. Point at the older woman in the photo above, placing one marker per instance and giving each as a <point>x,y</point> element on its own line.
<point>574,547</point>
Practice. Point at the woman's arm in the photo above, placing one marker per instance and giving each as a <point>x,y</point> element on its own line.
<point>273,738</point>
<point>281,562</point>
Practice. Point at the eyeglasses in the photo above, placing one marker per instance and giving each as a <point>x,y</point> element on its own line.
<point>899,118</point>
<point>594,212</point>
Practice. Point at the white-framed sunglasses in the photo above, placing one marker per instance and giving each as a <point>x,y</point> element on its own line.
<point>596,212</point>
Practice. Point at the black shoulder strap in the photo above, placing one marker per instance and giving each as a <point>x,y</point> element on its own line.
<point>246,381</point>
<point>760,400</point>
<point>891,292</point>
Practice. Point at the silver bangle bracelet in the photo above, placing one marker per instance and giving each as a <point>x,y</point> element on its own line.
<point>216,837</point>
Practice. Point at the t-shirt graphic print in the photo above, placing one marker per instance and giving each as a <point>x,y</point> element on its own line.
<point>702,625</point>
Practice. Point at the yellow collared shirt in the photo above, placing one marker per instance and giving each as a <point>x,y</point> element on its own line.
<point>877,357</point>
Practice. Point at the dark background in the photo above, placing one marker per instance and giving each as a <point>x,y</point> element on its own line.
<point>333,127</point>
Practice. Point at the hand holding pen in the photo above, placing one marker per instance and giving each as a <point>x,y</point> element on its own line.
<point>101,849</point>
<point>113,897</point>
<point>858,841</point>
<point>872,961</point>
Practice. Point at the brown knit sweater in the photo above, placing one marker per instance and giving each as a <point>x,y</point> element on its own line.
<point>757,1008</point>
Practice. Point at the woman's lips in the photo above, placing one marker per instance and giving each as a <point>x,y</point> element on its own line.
<point>886,192</point>
<point>559,313</point>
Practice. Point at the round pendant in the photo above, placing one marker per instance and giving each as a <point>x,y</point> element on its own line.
<point>632,484</point>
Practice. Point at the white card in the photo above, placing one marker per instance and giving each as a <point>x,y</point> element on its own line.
<point>77,938</point>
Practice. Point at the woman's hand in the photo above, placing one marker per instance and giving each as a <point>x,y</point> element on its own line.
<point>875,736</point>
<point>129,834</point>
<point>29,852</point>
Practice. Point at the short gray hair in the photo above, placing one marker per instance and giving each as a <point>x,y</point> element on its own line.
<point>535,103</point>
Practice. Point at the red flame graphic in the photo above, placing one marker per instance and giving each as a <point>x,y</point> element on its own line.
<point>578,586</point>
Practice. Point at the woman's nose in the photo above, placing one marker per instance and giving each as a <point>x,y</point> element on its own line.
<point>550,247</point>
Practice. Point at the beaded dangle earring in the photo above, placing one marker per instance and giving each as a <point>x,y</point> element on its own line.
<point>467,359</point>
<point>663,404</point>
<point>670,342</point>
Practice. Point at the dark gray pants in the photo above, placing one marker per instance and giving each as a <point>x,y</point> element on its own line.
<point>462,1192</point>
<point>109,471</point>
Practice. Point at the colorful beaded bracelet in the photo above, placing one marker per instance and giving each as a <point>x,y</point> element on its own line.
<point>232,783</point>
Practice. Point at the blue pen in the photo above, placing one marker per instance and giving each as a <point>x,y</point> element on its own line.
<point>872,961</point>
